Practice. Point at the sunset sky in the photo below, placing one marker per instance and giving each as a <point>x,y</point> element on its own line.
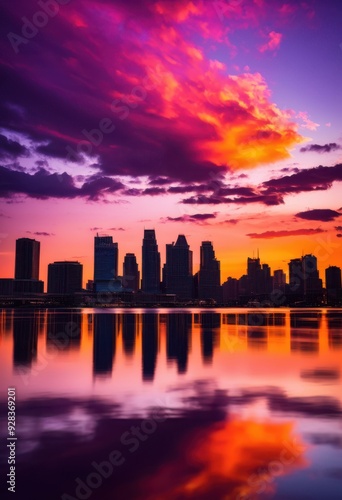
<point>220,120</point>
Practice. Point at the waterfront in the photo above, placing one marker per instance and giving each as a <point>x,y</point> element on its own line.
<point>234,403</point>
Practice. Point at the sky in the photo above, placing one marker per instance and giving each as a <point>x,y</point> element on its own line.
<point>220,120</point>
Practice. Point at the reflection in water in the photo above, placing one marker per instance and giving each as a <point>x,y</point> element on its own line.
<point>262,420</point>
<point>128,333</point>
<point>104,343</point>
<point>178,339</point>
<point>63,330</point>
<point>149,345</point>
<point>210,323</point>
<point>25,337</point>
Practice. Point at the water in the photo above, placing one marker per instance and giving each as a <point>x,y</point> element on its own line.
<point>174,404</point>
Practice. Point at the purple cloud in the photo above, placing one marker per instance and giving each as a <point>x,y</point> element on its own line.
<point>317,148</point>
<point>324,215</point>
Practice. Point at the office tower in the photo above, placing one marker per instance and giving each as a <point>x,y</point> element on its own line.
<point>65,277</point>
<point>304,279</point>
<point>27,252</point>
<point>333,285</point>
<point>209,277</point>
<point>177,272</point>
<point>230,290</point>
<point>105,262</point>
<point>131,274</point>
<point>178,339</point>
<point>150,263</point>
<point>296,276</point>
<point>279,279</point>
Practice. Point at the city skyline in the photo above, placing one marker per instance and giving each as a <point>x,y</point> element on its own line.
<point>212,122</point>
<point>174,276</point>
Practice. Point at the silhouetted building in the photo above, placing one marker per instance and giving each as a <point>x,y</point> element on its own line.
<point>65,277</point>
<point>209,277</point>
<point>260,281</point>
<point>150,263</point>
<point>333,285</point>
<point>131,274</point>
<point>27,253</point>
<point>230,291</point>
<point>177,272</point>
<point>105,262</point>
<point>279,280</point>
<point>6,286</point>
<point>305,283</point>
<point>27,287</point>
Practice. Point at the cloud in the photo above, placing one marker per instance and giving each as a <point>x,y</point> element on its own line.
<point>306,122</point>
<point>339,235</point>
<point>116,229</point>
<point>174,113</point>
<point>196,218</point>
<point>273,43</point>
<point>321,374</point>
<point>41,233</point>
<point>280,234</point>
<point>43,184</point>
<point>10,149</point>
<point>338,228</point>
<point>324,215</point>
<point>311,179</point>
<point>317,148</point>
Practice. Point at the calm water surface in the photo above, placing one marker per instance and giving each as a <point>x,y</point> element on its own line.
<point>174,404</point>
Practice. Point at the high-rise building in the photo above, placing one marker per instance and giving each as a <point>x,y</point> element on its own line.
<point>105,262</point>
<point>65,277</point>
<point>27,253</point>
<point>131,274</point>
<point>279,279</point>
<point>209,276</point>
<point>230,291</point>
<point>304,280</point>
<point>150,263</point>
<point>333,285</point>
<point>177,272</point>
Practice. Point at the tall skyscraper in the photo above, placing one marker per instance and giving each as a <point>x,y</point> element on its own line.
<point>27,253</point>
<point>304,279</point>
<point>177,272</point>
<point>131,274</point>
<point>279,278</point>
<point>209,276</point>
<point>65,277</point>
<point>105,262</point>
<point>333,285</point>
<point>150,263</point>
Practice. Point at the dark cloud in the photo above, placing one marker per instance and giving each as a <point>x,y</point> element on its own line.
<point>116,229</point>
<point>338,228</point>
<point>321,214</point>
<point>317,148</point>
<point>41,233</point>
<point>10,149</point>
<point>268,199</point>
<point>43,184</point>
<point>281,234</point>
<point>311,179</point>
<point>230,221</point>
<point>339,235</point>
<point>196,218</point>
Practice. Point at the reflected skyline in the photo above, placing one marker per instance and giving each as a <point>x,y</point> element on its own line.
<point>241,390</point>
